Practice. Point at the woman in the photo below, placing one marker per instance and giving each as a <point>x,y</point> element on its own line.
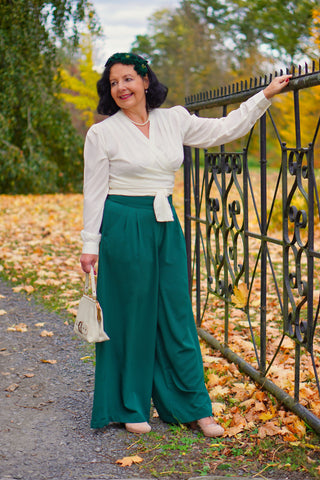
<point>129,221</point>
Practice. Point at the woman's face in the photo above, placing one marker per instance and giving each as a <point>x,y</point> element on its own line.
<point>128,87</point>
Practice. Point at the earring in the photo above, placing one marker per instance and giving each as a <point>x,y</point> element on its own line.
<point>146,91</point>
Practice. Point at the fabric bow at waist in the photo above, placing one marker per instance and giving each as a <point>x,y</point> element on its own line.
<point>162,207</point>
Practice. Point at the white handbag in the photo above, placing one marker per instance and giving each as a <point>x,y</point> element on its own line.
<point>89,321</point>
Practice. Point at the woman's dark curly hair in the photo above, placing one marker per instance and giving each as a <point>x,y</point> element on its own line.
<point>155,95</point>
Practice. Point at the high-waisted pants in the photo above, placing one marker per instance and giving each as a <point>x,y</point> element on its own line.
<point>153,351</point>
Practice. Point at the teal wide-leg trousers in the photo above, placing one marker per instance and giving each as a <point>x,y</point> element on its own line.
<point>153,350</point>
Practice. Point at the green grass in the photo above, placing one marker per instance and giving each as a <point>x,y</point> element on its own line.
<point>182,453</point>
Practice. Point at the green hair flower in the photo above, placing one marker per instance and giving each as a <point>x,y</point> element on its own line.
<point>139,63</point>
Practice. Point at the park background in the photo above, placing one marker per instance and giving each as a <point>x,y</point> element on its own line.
<point>50,63</point>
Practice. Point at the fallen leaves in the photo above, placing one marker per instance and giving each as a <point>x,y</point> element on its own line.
<point>41,254</point>
<point>3,312</point>
<point>21,327</point>
<point>128,461</point>
<point>240,296</point>
<point>26,288</point>
<point>269,429</point>
<point>12,387</point>
<point>45,333</point>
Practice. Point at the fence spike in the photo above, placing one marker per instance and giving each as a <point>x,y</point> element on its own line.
<point>253,82</point>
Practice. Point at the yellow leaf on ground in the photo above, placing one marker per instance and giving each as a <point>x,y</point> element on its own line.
<point>53,282</point>
<point>26,288</point>
<point>41,324</point>
<point>240,296</point>
<point>213,380</point>
<point>266,416</point>
<point>52,362</point>
<point>2,312</point>
<point>128,461</point>
<point>40,281</point>
<point>21,327</point>
<point>314,447</point>
<point>218,391</point>
<point>218,408</point>
<point>45,333</point>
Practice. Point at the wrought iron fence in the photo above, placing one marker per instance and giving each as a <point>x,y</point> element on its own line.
<point>253,240</point>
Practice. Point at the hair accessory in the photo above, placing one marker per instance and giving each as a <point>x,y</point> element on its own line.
<point>139,63</point>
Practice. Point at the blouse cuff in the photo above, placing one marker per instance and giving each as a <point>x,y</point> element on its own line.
<point>261,98</point>
<point>91,242</point>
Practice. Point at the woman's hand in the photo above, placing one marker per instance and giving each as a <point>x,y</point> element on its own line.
<point>277,84</point>
<point>86,260</point>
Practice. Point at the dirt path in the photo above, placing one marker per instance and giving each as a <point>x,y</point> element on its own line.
<point>45,407</point>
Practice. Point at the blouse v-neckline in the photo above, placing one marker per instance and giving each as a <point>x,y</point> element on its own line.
<point>137,128</point>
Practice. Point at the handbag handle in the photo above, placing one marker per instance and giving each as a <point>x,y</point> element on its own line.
<point>93,283</point>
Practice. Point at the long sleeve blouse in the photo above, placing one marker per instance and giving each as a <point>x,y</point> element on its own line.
<point>119,159</point>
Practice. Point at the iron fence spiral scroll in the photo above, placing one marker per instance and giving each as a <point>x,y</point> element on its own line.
<point>259,231</point>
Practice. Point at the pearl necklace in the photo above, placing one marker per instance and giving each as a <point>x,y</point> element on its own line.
<point>140,124</point>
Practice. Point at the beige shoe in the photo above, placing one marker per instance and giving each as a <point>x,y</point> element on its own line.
<point>142,427</point>
<point>208,426</point>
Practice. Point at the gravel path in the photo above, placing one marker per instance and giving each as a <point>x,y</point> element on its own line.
<point>45,407</point>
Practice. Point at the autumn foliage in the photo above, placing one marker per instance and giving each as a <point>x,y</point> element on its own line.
<point>39,250</point>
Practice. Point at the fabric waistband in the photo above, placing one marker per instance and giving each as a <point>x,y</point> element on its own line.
<point>160,203</point>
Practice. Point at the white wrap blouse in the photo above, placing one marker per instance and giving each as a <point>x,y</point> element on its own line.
<point>120,160</point>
